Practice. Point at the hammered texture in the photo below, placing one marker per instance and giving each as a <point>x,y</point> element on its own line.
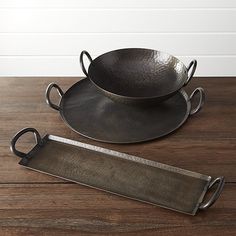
<point>137,73</point>
<point>155,185</point>
<point>93,115</point>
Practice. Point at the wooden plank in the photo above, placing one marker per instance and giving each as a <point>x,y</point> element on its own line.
<point>205,144</point>
<point>43,206</point>
<point>72,44</point>
<point>116,4</point>
<point>111,20</point>
<point>57,209</point>
<point>69,65</point>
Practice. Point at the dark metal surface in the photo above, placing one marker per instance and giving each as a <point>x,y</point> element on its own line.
<point>121,174</point>
<point>136,75</point>
<point>95,116</point>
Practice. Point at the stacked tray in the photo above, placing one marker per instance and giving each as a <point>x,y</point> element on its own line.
<point>88,112</point>
<point>130,96</point>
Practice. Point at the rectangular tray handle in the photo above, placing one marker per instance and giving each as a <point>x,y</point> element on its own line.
<point>37,136</point>
<point>220,181</point>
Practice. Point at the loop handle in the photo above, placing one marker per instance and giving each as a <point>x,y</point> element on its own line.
<point>47,94</point>
<point>220,181</point>
<point>37,136</point>
<point>201,100</point>
<point>82,61</point>
<point>193,65</point>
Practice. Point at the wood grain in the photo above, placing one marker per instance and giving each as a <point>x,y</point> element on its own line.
<point>35,204</point>
<point>70,208</point>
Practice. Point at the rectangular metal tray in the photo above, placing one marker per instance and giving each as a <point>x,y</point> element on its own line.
<point>118,173</point>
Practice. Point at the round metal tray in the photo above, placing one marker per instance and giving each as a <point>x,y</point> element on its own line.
<point>88,112</point>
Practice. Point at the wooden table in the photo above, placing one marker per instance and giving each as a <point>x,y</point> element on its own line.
<point>36,204</point>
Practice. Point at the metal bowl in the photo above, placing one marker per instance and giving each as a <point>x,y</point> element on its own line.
<point>136,75</point>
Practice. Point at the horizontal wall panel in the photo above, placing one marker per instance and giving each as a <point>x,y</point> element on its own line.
<point>73,44</point>
<point>69,66</point>
<point>116,4</point>
<point>54,21</point>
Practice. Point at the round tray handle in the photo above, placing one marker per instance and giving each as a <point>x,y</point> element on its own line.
<point>47,94</point>
<point>201,100</point>
<point>193,65</point>
<point>37,136</point>
<point>221,182</point>
<point>82,61</point>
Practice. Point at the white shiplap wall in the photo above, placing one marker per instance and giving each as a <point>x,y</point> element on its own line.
<point>45,37</point>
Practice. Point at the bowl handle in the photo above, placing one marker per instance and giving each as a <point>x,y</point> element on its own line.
<point>47,95</point>
<point>82,61</point>
<point>201,100</point>
<point>193,65</point>
<point>37,136</point>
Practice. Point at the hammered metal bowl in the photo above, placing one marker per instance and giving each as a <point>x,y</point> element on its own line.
<point>136,75</point>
